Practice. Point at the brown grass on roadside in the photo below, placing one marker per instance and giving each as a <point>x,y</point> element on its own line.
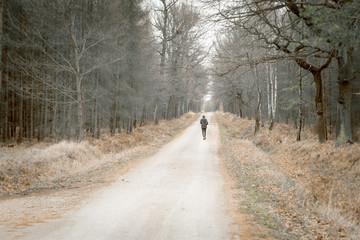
<point>327,178</point>
<point>45,166</point>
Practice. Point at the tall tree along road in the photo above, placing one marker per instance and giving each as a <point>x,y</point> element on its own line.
<point>175,194</point>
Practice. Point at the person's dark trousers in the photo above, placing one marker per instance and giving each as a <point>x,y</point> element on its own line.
<point>203,132</point>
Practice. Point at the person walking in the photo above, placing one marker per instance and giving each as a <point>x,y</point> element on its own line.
<point>203,123</point>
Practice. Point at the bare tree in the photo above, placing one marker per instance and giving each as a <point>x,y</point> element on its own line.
<point>275,27</point>
<point>180,54</point>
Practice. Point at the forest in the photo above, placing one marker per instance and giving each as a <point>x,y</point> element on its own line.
<point>71,69</point>
<point>295,62</point>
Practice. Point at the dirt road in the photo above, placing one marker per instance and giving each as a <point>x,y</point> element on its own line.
<point>175,194</point>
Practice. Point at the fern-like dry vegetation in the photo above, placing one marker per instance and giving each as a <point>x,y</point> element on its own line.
<point>36,167</point>
<point>300,190</point>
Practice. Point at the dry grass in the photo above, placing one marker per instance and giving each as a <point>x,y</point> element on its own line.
<point>44,166</point>
<point>316,184</point>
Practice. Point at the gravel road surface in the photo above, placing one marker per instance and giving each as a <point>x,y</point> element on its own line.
<point>175,194</point>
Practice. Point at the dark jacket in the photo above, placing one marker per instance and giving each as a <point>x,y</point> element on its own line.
<point>204,122</point>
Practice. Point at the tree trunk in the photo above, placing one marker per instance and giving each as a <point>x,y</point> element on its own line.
<point>54,117</point>
<point>273,90</point>
<point>143,116</point>
<point>316,72</point>
<point>95,122</point>
<point>344,127</point>
<point>171,108</point>
<point>327,105</point>
<point>156,119</point>
<point>301,107</point>
<point>1,40</point>
<point>20,113</point>
<point>45,125</point>
<point>98,127</point>
<point>113,118</point>
<point>95,133</point>
<point>164,37</point>
<point>135,122</point>
<point>63,116</point>
<point>176,112</point>
<point>258,107</point>
<point>119,124</point>
<point>257,113</point>
<point>79,107</point>
<point>4,111</point>
<point>240,107</point>
<point>5,104</point>
<point>130,125</point>
<point>32,127</point>
<point>319,103</point>
<point>78,76</point>
<point>268,88</point>
<point>38,118</point>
